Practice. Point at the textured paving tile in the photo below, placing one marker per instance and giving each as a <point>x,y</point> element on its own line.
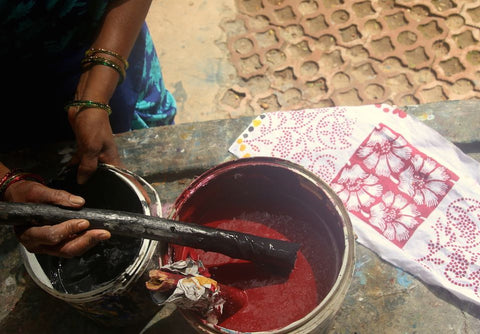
<point>292,54</point>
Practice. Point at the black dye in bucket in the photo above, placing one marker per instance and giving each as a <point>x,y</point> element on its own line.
<point>109,258</point>
<point>107,283</point>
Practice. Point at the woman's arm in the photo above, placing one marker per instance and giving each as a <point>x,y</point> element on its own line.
<point>118,33</point>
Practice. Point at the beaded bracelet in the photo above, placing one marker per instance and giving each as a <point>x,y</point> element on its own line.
<point>85,104</point>
<point>96,60</point>
<point>17,175</point>
<point>94,51</point>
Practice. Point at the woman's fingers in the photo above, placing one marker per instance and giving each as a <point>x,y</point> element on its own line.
<point>34,192</point>
<point>78,245</point>
<point>67,239</point>
<point>63,198</point>
<point>88,165</point>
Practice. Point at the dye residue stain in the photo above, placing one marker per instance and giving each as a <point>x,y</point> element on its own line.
<point>272,301</point>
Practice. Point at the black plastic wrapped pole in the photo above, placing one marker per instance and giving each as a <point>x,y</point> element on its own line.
<point>277,254</point>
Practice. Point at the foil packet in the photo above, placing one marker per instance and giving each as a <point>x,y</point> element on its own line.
<point>187,285</point>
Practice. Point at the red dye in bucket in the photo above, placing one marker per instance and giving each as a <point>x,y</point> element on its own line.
<point>297,294</point>
<point>267,198</point>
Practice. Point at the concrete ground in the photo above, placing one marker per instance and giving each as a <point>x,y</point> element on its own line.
<point>191,46</point>
<point>230,58</point>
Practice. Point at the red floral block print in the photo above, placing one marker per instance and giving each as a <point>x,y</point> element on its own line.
<point>391,185</point>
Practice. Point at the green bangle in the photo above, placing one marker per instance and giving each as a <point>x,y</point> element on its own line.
<point>85,104</point>
<point>94,51</point>
<point>96,60</point>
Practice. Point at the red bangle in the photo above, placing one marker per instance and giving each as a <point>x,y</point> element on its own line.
<point>9,174</point>
<point>15,176</point>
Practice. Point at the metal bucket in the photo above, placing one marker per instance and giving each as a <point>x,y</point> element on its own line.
<point>284,184</point>
<point>114,293</point>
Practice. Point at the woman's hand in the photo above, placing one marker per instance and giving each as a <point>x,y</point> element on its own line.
<point>95,142</point>
<point>68,239</point>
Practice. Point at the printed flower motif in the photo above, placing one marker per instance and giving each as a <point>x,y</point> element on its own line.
<point>356,188</point>
<point>385,152</point>
<point>394,216</point>
<point>302,136</point>
<point>464,220</point>
<point>453,248</point>
<point>424,181</point>
<point>459,266</point>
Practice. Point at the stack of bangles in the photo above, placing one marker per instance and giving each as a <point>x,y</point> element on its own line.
<point>104,57</point>
<point>14,176</point>
<point>94,56</point>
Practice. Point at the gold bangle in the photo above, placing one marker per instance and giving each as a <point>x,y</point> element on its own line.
<point>94,51</point>
<point>85,104</point>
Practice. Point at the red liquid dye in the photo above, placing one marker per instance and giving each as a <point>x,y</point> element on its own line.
<point>272,301</point>
<point>267,201</point>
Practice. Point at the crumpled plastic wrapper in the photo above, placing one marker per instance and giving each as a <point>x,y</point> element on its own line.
<point>183,283</point>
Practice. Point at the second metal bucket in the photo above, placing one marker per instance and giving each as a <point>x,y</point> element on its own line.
<point>107,284</point>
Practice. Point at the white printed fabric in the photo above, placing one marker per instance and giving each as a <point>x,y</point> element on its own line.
<point>413,197</point>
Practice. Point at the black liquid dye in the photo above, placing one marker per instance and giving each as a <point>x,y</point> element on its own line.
<point>108,259</point>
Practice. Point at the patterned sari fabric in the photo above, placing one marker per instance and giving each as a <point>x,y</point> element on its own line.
<point>412,196</point>
<point>43,43</point>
